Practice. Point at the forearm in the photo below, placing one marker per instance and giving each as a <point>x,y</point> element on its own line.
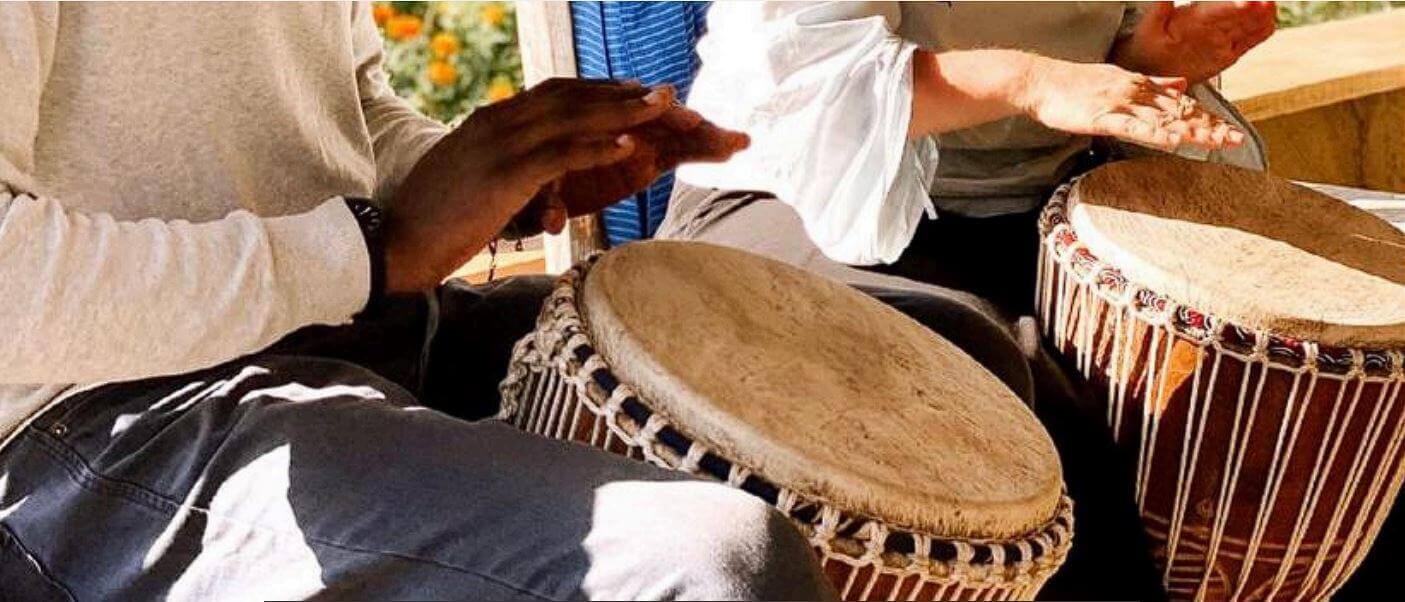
<point>421,248</point>
<point>961,89</point>
<point>86,298</point>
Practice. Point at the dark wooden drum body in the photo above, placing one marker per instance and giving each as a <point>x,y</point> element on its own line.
<point>1266,461</point>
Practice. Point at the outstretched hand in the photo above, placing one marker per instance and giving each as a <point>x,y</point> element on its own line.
<point>680,136</point>
<point>1195,41</point>
<point>465,189</point>
<point>1105,100</point>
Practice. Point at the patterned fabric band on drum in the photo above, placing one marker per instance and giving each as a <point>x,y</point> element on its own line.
<point>561,385</point>
<point>1262,403</point>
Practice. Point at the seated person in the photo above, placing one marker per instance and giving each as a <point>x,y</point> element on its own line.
<point>907,148</point>
<point>172,204</point>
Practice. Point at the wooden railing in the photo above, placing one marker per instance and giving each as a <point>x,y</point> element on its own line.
<point>1329,100</point>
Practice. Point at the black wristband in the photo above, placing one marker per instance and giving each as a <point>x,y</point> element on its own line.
<point>372,222</point>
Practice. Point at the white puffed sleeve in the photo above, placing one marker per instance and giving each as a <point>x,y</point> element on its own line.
<point>825,92</point>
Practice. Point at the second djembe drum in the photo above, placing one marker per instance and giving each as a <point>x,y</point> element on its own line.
<point>914,472</point>
<point>1245,335</point>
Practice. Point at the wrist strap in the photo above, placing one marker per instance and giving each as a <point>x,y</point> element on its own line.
<point>372,222</point>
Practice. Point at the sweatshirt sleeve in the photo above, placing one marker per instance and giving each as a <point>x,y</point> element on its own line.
<point>88,298</point>
<point>400,135</point>
<point>825,91</point>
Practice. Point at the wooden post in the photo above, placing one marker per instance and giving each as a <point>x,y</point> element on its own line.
<point>549,50</point>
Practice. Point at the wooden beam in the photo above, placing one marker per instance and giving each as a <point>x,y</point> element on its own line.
<point>1304,68</point>
<point>548,50</point>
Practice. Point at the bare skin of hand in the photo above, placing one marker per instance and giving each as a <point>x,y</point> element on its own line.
<point>1106,100</point>
<point>679,136</point>
<point>465,189</point>
<point>960,89</point>
<point>1195,41</point>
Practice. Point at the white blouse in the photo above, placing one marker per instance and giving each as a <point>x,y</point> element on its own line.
<point>825,91</point>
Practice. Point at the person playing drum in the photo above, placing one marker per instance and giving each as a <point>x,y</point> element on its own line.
<point>866,117</point>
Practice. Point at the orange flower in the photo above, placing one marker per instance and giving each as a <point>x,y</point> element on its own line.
<point>403,27</point>
<point>442,73</point>
<point>382,13</point>
<point>500,89</point>
<point>444,45</point>
<point>492,14</point>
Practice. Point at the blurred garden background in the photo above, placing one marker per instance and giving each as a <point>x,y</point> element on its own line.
<point>449,57</point>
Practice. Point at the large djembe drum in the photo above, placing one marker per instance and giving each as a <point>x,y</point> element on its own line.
<point>1246,336</point>
<point>913,471</point>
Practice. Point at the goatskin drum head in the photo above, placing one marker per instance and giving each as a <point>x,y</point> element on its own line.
<point>1247,247</point>
<point>821,389</point>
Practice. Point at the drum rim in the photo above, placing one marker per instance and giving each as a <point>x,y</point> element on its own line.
<point>1059,238</point>
<point>567,342</point>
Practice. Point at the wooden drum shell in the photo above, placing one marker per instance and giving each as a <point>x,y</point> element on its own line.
<point>1265,466</point>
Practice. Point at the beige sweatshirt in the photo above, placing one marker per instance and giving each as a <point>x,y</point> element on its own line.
<point>170,182</point>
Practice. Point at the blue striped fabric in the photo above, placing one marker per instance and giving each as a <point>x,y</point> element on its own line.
<point>653,43</point>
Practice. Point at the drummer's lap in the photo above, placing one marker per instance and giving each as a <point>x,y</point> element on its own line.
<point>275,476</point>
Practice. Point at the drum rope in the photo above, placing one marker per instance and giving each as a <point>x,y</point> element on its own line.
<point>1278,467</point>
<point>1353,480</point>
<point>1239,443</point>
<point>1316,483</point>
<point>1380,502</point>
<point>555,375</point>
<point>1085,305</point>
<point>1190,445</point>
<point>1377,424</point>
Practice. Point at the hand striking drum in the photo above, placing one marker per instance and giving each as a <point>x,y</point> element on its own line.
<point>1247,334</point>
<point>915,473</point>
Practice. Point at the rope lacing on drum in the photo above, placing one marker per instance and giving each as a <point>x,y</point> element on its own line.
<point>1069,272</point>
<point>839,536</point>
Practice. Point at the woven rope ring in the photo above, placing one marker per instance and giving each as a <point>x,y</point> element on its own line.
<point>1011,568</point>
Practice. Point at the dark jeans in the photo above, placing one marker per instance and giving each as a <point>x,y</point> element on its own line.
<point>299,472</point>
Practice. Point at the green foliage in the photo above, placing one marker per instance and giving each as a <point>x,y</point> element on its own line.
<point>460,56</point>
<point>1293,14</point>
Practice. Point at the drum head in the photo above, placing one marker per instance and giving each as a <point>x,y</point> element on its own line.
<point>821,389</point>
<point>1247,247</point>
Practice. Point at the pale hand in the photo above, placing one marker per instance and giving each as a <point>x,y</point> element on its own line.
<point>1105,100</point>
<point>1195,41</point>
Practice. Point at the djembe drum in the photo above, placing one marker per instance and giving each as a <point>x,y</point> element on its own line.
<point>913,471</point>
<point>1246,335</point>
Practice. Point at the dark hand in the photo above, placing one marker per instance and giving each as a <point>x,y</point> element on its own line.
<point>466,188</point>
<point>679,136</point>
<point>1195,41</point>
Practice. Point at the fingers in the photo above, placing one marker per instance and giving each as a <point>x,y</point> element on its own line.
<point>566,110</point>
<point>1166,119</point>
<point>1129,127</point>
<point>1153,127</point>
<point>705,144</point>
<point>681,119</point>
<point>549,161</point>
